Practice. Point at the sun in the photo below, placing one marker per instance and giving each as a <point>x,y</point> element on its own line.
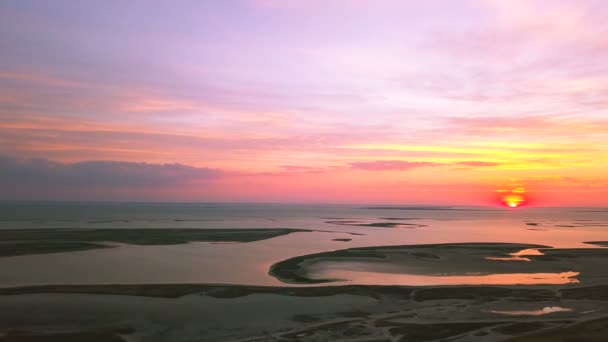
<point>513,200</point>
<point>512,196</point>
<point>513,204</point>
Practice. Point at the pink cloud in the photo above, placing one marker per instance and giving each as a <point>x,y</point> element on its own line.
<point>384,165</point>
<point>537,125</point>
<point>474,163</point>
<point>303,168</point>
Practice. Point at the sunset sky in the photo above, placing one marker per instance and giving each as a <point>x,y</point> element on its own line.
<point>344,101</point>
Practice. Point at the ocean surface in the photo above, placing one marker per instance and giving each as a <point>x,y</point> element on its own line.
<point>248,263</point>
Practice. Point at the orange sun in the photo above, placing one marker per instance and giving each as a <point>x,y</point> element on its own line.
<point>513,198</point>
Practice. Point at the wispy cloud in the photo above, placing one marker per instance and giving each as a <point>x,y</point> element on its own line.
<point>474,163</point>
<point>384,165</point>
<point>303,168</point>
<point>392,165</point>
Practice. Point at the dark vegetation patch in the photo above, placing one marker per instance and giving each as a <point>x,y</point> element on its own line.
<point>42,247</point>
<point>480,293</point>
<point>303,318</point>
<point>425,255</point>
<point>215,291</point>
<point>520,328</point>
<point>377,224</point>
<point>411,332</point>
<point>394,225</point>
<point>597,243</point>
<point>573,253</point>
<point>587,331</point>
<point>17,336</point>
<point>342,240</point>
<point>599,292</point>
<point>483,293</point>
<point>356,331</point>
<point>353,314</point>
<point>333,328</point>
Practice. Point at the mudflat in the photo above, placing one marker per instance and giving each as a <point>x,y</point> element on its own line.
<point>182,312</point>
<point>510,263</point>
<point>14,242</point>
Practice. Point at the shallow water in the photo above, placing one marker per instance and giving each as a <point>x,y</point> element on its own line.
<point>544,311</point>
<point>352,276</point>
<point>519,256</point>
<point>248,263</point>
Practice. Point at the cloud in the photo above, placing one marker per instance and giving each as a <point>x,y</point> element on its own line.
<point>475,163</point>
<point>385,165</point>
<point>548,125</point>
<point>98,174</point>
<point>303,168</point>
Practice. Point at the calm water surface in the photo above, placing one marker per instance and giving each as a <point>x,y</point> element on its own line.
<point>248,263</point>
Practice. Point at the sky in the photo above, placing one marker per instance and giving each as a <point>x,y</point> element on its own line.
<point>333,101</point>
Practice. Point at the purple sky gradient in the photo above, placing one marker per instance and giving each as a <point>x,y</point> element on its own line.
<point>432,95</point>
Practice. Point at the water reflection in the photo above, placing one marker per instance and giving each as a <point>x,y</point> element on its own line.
<point>544,311</point>
<point>375,278</point>
<point>519,256</point>
<point>248,263</point>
